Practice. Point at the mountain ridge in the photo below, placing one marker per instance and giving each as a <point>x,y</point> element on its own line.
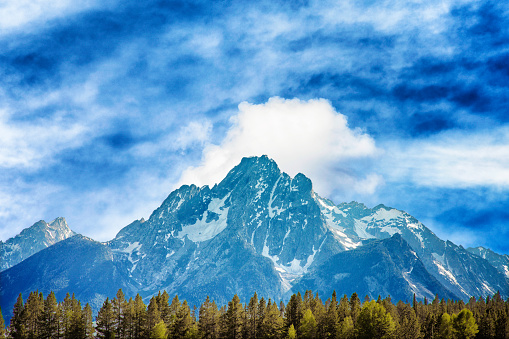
<point>261,230</point>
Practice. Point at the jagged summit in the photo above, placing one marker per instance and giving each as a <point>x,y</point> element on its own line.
<point>33,239</point>
<point>261,230</point>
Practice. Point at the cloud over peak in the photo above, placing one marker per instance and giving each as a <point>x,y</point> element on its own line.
<point>301,136</point>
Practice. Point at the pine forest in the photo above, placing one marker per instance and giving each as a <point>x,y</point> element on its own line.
<point>303,317</point>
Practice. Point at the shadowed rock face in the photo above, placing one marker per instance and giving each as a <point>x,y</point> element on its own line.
<point>261,230</point>
<point>31,240</point>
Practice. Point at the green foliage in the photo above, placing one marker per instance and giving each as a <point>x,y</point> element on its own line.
<point>292,334</point>
<point>2,325</point>
<point>374,322</point>
<point>464,325</point>
<point>158,331</point>
<point>308,327</point>
<point>346,319</point>
<point>105,321</point>
<point>346,329</point>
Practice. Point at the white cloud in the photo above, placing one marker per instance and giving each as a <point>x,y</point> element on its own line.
<point>28,145</point>
<point>20,14</point>
<point>301,136</point>
<point>453,160</point>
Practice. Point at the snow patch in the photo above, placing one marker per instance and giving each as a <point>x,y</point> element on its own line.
<point>360,229</point>
<point>202,230</point>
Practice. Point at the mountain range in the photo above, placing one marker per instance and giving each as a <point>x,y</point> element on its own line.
<point>257,230</point>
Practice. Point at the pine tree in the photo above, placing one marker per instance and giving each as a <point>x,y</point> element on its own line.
<point>2,325</point>
<point>262,307</point>
<point>330,322</point>
<point>139,318</point>
<point>374,322</point>
<point>232,324</point>
<point>346,329</point>
<point>184,322</point>
<point>159,331</point>
<point>294,312</point>
<point>355,307</point>
<point>49,320</point>
<point>292,334</point>
<point>77,326</point>
<point>17,326</point>
<point>272,325</point>
<point>34,308</point>
<point>208,324</point>
<point>153,316</point>
<point>408,327</point>
<point>445,326</point>
<point>343,308</point>
<point>308,326</point>
<point>164,307</point>
<point>105,322</point>
<point>119,305</point>
<point>464,325</point>
<point>252,318</point>
<point>88,322</point>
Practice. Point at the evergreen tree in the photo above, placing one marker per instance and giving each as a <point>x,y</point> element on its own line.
<point>163,302</point>
<point>355,307</point>
<point>464,325</point>
<point>208,324</point>
<point>343,308</point>
<point>329,324</point>
<point>77,326</point>
<point>2,325</point>
<point>408,327</point>
<point>119,306</point>
<point>272,325</point>
<point>252,318</point>
<point>294,312</point>
<point>308,326</point>
<point>34,308</point>
<point>346,329</point>
<point>445,326</point>
<point>184,322</point>
<point>374,322</point>
<point>105,322</point>
<point>262,307</point>
<point>292,334</point>
<point>49,320</point>
<point>158,331</point>
<point>232,324</point>
<point>17,326</point>
<point>88,322</point>
<point>153,316</point>
<point>139,318</point>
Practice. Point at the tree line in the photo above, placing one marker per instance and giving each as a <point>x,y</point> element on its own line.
<point>303,317</point>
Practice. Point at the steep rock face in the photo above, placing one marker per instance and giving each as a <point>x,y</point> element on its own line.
<point>381,267</point>
<point>499,261</point>
<point>261,230</point>
<point>76,265</point>
<point>31,240</point>
<point>459,271</point>
<point>270,216</point>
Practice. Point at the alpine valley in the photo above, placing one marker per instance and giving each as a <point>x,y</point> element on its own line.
<point>257,230</point>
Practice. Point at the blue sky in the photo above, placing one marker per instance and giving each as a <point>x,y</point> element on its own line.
<point>107,106</point>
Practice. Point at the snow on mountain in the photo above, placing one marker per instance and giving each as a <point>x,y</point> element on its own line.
<point>31,240</point>
<point>261,230</point>
<point>499,261</point>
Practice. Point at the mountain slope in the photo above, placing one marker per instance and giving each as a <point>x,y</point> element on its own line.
<point>261,230</point>
<point>76,265</point>
<point>500,262</point>
<point>31,240</point>
<point>382,267</point>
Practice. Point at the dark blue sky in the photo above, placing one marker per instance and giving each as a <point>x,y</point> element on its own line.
<point>106,106</point>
